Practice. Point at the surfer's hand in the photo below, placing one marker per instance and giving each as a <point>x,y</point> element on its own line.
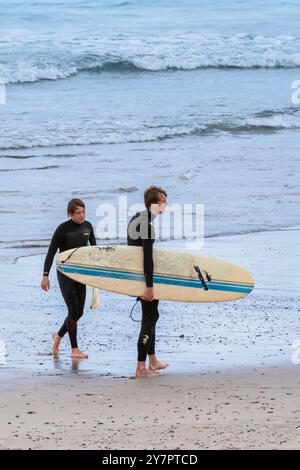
<point>45,284</point>
<point>148,294</point>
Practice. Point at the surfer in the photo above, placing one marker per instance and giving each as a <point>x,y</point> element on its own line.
<point>141,232</point>
<point>73,233</point>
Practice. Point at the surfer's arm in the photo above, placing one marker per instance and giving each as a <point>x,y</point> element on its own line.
<point>148,261</point>
<point>53,247</point>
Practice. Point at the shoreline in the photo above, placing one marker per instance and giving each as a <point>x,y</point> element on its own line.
<point>256,330</point>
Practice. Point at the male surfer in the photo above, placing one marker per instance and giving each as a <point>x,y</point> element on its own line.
<point>73,233</point>
<point>140,232</point>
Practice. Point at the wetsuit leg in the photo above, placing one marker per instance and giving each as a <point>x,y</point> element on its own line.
<point>146,341</point>
<point>74,294</point>
<point>152,344</point>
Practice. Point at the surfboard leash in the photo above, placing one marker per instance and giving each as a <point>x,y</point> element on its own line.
<point>130,315</point>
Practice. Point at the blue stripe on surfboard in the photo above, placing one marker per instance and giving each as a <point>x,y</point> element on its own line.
<point>140,277</point>
<point>161,276</point>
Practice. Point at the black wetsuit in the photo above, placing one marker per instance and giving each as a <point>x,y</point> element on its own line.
<point>141,232</point>
<point>70,235</point>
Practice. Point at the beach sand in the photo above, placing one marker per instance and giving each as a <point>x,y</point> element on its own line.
<point>232,381</point>
<point>237,409</point>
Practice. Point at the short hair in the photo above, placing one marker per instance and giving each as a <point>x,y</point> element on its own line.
<point>73,203</point>
<point>152,195</point>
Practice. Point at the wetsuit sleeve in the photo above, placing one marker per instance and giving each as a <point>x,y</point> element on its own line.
<point>53,247</point>
<point>92,238</point>
<point>148,261</point>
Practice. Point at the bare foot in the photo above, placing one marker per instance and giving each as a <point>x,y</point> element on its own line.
<point>158,366</point>
<point>77,353</point>
<point>143,373</point>
<point>56,342</point>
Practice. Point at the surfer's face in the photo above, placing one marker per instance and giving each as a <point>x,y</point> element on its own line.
<point>78,215</point>
<point>159,207</point>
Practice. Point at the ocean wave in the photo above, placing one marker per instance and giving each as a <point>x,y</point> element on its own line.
<point>47,167</point>
<point>122,189</point>
<point>67,57</point>
<point>264,121</point>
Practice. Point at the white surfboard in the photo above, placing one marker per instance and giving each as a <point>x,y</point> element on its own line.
<point>181,277</point>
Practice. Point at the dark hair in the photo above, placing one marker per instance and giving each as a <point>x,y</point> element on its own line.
<point>152,195</point>
<point>73,204</point>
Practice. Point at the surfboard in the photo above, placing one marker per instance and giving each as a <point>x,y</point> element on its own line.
<point>178,276</point>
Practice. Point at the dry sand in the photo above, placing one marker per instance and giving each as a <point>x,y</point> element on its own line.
<point>236,409</point>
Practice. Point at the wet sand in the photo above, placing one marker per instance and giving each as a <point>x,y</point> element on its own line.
<point>258,330</point>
